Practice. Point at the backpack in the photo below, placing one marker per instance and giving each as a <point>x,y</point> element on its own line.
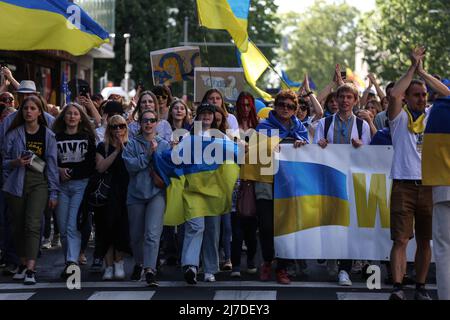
<point>329,120</point>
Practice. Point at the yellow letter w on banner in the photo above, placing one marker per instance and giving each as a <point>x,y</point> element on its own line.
<point>367,210</point>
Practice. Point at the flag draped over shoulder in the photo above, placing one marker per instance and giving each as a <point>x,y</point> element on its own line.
<point>436,145</point>
<point>201,188</point>
<point>230,15</point>
<point>48,25</point>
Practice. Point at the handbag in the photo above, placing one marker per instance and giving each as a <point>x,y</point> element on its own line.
<point>246,199</point>
<point>157,180</point>
<point>99,188</point>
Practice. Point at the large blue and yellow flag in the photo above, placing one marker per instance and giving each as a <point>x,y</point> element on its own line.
<point>309,195</point>
<point>48,25</point>
<point>230,15</point>
<point>436,145</point>
<point>254,63</point>
<point>200,176</point>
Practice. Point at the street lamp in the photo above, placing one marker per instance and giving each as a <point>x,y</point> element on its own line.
<point>128,66</point>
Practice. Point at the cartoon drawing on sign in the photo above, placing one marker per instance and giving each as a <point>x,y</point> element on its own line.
<point>173,67</point>
<point>228,88</point>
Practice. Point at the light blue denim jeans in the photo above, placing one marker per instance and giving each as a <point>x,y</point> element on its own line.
<point>146,224</point>
<point>69,200</point>
<point>192,242</point>
<point>201,236</point>
<point>210,247</point>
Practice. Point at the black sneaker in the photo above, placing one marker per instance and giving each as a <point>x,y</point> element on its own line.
<point>397,294</point>
<point>30,278</point>
<point>190,275</point>
<point>96,266</point>
<point>137,273</point>
<point>421,294</point>
<point>150,279</point>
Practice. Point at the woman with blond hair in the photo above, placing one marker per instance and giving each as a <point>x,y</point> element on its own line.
<point>111,220</point>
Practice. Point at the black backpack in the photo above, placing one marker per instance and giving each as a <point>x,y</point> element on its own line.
<point>329,120</point>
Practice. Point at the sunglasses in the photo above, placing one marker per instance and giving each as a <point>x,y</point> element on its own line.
<point>149,120</point>
<point>118,126</point>
<point>286,105</point>
<point>7,99</point>
<point>163,97</point>
<point>303,107</point>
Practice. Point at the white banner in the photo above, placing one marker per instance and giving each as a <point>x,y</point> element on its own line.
<point>311,230</point>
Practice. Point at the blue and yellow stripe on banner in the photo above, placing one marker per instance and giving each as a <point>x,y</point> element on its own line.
<point>436,145</point>
<point>309,195</point>
<point>230,15</point>
<point>198,189</point>
<point>48,25</point>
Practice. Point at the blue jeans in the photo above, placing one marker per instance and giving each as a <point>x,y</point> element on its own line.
<point>69,200</point>
<point>210,247</point>
<point>146,224</point>
<point>201,235</point>
<point>192,241</point>
<point>226,236</point>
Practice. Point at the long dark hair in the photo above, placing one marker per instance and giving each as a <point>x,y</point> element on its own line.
<point>85,126</point>
<point>137,111</point>
<point>19,119</point>
<point>252,117</point>
<point>211,91</point>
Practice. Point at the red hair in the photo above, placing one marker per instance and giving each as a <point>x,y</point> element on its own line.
<point>240,105</point>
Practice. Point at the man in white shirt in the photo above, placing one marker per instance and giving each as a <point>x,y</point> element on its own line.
<point>344,128</point>
<point>411,202</point>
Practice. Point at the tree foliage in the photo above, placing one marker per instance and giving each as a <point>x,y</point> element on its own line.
<point>159,24</point>
<point>318,39</point>
<point>397,26</point>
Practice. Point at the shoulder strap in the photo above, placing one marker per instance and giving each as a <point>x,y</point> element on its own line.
<point>359,126</point>
<point>328,121</point>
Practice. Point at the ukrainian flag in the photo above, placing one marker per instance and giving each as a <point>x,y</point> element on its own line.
<point>48,25</point>
<point>230,15</point>
<point>199,188</point>
<point>436,145</point>
<point>309,195</point>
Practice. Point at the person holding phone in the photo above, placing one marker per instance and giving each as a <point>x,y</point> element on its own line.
<point>28,190</point>
<point>75,138</point>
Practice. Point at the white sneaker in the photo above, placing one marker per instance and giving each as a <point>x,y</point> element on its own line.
<point>344,278</point>
<point>109,273</point>
<point>46,244</point>
<point>20,274</point>
<point>119,273</point>
<point>209,277</point>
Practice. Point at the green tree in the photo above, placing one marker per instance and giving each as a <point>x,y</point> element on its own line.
<point>318,39</point>
<point>397,26</point>
<point>160,25</point>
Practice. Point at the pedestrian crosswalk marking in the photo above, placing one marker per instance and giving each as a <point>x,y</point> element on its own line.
<point>122,295</point>
<point>362,295</point>
<point>217,284</point>
<point>245,295</point>
<point>16,296</point>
